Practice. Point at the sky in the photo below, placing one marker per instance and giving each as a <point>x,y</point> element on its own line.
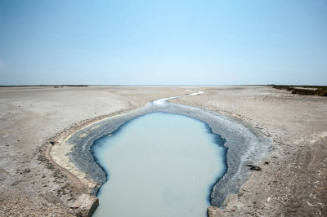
<point>168,42</point>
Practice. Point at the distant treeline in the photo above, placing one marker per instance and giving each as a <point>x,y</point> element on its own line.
<point>58,86</point>
<point>55,86</point>
<point>304,89</point>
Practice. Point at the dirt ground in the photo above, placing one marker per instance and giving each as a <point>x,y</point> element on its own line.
<point>292,181</point>
<point>29,116</point>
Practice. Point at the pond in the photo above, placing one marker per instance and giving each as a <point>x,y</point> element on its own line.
<point>161,165</point>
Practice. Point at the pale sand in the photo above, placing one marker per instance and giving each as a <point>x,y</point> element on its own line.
<point>29,117</point>
<point>292,184</point>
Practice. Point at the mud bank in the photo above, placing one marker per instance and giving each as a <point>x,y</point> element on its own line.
<point>244,147</point>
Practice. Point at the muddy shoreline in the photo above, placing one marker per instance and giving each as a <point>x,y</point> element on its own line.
<point>243,146</point>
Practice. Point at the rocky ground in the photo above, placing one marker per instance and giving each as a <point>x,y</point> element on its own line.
<point>293,176</point>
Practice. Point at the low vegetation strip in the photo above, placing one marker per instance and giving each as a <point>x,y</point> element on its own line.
<point>304,90</point>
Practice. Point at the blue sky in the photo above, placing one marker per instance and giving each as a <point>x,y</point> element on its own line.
<point>163,42</point>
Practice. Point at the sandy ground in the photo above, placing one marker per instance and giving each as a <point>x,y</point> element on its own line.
<point>292,181</point>
<point>29,117</point>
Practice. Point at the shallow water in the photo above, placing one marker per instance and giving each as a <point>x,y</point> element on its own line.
<point>159,165</point>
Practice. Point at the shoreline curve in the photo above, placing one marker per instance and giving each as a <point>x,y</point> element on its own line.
<point>242,144</point>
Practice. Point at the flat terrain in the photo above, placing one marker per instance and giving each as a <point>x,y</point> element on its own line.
<point>292,181</point>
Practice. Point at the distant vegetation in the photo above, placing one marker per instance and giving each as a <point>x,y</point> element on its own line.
<point>55,86</point>
<point>80,85</point>
<point>303,90</point>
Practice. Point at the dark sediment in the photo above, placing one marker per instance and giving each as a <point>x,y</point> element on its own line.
<point>243,146</point>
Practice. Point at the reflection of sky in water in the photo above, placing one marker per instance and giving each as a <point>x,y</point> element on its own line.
<point>159,165</point>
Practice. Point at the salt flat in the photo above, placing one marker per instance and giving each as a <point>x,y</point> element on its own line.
<point>291,183</point>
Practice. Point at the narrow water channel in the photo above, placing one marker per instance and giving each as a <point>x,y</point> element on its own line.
<point>159,165</point>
